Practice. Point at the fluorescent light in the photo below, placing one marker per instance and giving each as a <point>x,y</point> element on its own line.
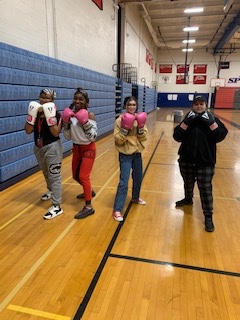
<point>188,50</point>
<point>191,29</point>
<point>193,10</point>
<point>189,41</point>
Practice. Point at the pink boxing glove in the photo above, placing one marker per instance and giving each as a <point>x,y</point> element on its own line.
<point>141,118</point>
<point>127,122</point>
<point>67,114</point>
<point>82,116</point>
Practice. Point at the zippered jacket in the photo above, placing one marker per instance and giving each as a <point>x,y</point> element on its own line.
<point>198,142</point>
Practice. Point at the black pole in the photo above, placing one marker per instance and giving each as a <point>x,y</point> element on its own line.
<point>119,41</point>
<point>215,89</point>
<point>186,58</point>
<point>186,55</point>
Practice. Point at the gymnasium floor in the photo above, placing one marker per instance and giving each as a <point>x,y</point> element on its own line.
<point>159,263</point>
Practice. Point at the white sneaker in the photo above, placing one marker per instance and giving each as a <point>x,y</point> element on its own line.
<point>139,201</point>
<point>117,216</point>
<point>53,212</point>
<point>46,196</point>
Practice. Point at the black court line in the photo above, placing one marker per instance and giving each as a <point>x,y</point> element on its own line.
<point>107,254</point>
<point>176,265</point>
<point>230,122</point>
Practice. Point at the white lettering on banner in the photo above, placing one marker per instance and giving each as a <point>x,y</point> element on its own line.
<point>233,80</point>
<point>198,78</point>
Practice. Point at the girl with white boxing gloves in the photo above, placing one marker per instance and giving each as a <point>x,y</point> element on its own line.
<point>45,121</point>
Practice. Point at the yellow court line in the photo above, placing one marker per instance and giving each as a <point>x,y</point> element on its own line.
<point>21,283</point>
<point>38,313</point>
<point>30,206</point>
<point>70,177</point>
<point>18,215</point>
<point>196,196</point>
<point>225,198</point>
<point>33,204</point>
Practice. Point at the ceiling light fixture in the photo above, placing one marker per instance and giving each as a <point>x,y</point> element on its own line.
<point>187,50</point>
<point>189,41</point>
<point>227,4</point>
<point>187,29</point>
<point>193,10</point>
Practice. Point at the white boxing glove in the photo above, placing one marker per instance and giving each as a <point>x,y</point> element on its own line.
<point>50,111</point>
<point>33,109</point>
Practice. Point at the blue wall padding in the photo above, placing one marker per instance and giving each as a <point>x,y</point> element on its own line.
<point>23,74</point>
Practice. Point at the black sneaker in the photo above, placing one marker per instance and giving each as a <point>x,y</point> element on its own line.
<point>209,226</point>
<point>184,202</point>
<point>81,195</point>
<point>84,213</point>
<point>46,196</point>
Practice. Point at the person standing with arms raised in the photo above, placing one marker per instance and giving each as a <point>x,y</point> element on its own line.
<point>80,126</point>
<point>45,121</point>
<point>130,134</point>
<point>198,133</point>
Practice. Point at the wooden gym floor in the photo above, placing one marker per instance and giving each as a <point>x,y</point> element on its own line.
<point>159,264</point>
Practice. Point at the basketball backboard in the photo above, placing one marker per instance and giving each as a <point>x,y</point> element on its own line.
<point>217,82</point>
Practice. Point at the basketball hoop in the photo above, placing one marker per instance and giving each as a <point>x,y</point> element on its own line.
<point>216,83</point>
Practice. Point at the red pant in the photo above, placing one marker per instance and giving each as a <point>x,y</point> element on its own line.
<point>82,164</point>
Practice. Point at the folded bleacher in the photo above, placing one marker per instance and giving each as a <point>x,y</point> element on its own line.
<point>22,75</point>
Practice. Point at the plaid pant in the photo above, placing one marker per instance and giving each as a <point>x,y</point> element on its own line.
<point>190,173</point>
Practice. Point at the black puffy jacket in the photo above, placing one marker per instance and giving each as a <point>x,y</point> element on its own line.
<point>198,142</point>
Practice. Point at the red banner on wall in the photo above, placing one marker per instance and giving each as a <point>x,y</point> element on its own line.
<point>200,68</point>
<point>179,79</point>
<point>200,79</point>
<point>152,63</point>
<point>147,56</point>
<point>98,3</point>
<point>181,68</point>
<point>165,68</point>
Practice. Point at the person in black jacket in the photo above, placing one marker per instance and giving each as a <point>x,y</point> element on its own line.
<point>199,132</point>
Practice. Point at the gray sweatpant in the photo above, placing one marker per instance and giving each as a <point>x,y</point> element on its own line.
<point>49,159</point>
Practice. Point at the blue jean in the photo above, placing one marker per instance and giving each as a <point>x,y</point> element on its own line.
<point>128,162</point>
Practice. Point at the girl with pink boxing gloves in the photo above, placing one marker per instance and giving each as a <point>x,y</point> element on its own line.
<point>130,134</point>
<point>80,126</point>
